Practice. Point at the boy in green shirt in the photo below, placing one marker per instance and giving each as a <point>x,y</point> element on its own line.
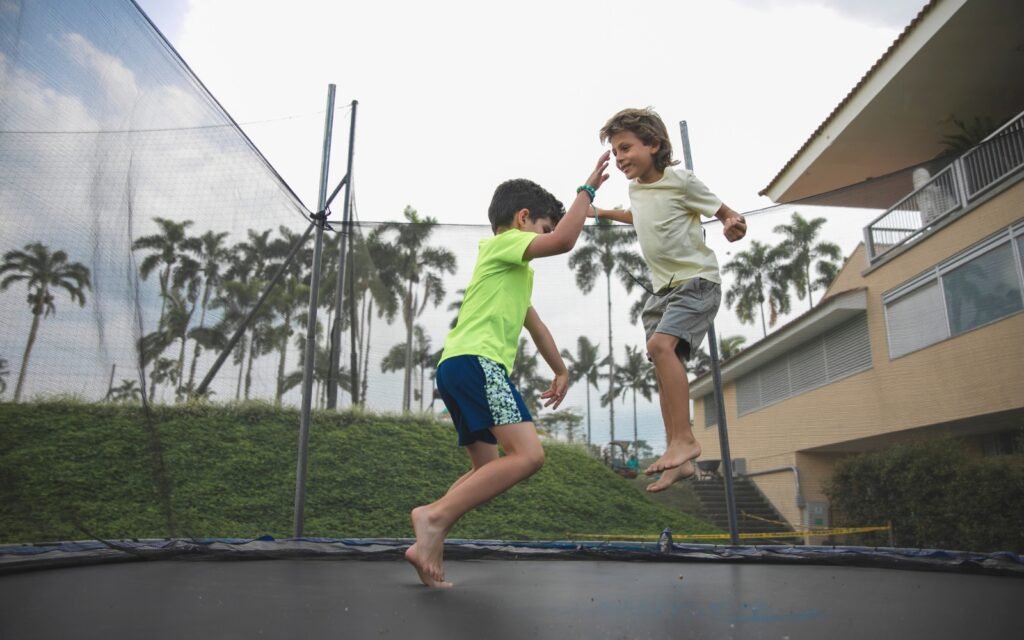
<point>473,373</point>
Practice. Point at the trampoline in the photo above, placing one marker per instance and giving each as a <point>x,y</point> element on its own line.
<point>362,589</point>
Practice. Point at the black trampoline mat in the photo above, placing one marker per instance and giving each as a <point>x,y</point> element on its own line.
<point>317,598</point>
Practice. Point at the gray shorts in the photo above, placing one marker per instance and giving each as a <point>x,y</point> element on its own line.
<point>685,312</point>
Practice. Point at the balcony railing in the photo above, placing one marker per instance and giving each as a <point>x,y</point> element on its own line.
<point>952,189</point>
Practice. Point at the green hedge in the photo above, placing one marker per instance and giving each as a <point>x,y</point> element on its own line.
<point>71,470</point>
<point>934,495</point>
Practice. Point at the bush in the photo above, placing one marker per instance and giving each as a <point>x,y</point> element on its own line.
<point>933,496</point>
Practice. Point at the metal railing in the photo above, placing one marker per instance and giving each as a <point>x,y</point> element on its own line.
<point>950,190</point>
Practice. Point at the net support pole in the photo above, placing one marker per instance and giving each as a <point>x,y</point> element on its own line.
<point>716,378</point>
<point>310,353</point>
<point>344,249</point>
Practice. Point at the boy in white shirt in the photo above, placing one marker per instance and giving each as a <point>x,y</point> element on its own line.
<point>665,208</point>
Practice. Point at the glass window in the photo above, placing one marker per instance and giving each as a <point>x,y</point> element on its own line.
<point>710,410</point>
<point>915,320</point>
<point>983,290</point>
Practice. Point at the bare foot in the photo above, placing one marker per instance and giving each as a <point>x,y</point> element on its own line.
<point>674,456</point>
<point>675,474</point>
<point>426,555</point>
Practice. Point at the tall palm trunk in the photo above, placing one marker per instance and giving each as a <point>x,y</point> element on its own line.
<point>635,436</point>
<point>164,279</point>
<point>241,348</point>
<point>423,370</point>
<point>407,387</point>
<point>198,349</point>
<point>588,411</point>
<point>365,339</point>
<point>611,360</point>
<point>281,361</point>
<point>248,370</point>
<point>807,272</point>
<point>28,351</point>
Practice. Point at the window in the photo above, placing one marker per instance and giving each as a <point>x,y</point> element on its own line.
<point>837,354</point>
<point>983,290</point>
<point>904,316</point>
<point>710,411</point>
<point>982,285</point>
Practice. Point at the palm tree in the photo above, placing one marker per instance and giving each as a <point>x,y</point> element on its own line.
<point>42,270</point>
<point>699,363</point>
<point>583,366</point>
<point>420,268</point>
<point>166,248</point>
<point>293,294</point>
<point>423,357</point>
<point>377,285</point>
<point>827,272</point>
<point>456,306</point>
<point>212,255</point>
<point>321,370</point>
<point>606,249</point>
<point>187,281</point>
<point>730,346</point>
<point>557,421</point>
<point>128,391</point>
<point>636,375</point>
<point>758,279</point>
<point>800,249</point>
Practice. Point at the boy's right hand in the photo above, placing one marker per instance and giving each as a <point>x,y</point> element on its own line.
<point>598,176</point>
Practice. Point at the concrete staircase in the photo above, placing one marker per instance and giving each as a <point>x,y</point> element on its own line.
<point>754,513</point>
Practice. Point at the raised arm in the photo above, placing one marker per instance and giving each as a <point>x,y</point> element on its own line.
<point>734,225</point>
<point>563,238</point>
<point>547,348</point>
<point>624,216</point>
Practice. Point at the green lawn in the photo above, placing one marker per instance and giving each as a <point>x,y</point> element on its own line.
<point>71,471</point>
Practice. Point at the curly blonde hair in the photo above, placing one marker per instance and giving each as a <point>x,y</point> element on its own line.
<point>646,125</point>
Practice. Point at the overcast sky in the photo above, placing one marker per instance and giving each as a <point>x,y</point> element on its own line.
<point>455,97</point>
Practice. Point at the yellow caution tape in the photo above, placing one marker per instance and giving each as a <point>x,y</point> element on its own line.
<point>679,535</point>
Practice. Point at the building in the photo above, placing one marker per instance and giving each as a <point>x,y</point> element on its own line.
<point>921,334</point>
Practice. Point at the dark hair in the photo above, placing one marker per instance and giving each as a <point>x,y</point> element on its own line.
<point>646,125</point>
<point>513,195</point>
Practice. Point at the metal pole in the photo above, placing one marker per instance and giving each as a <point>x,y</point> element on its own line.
<point>716,377</point>
<point>310,355</point>
<point>346,230</point>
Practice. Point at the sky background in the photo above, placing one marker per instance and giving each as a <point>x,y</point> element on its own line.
<point>455,97</point>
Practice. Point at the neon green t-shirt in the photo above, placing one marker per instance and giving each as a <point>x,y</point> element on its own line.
<point>497,298</point>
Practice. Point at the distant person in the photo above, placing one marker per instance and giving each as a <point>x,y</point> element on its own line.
<point>633,463</point>
<point>665,208</point>
<point>473,372</point>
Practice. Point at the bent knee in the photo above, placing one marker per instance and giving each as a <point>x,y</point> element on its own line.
<point>533,460</point>
<point>662,345</point>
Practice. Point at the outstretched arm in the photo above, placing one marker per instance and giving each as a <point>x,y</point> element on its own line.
<point>618,215</point>
<point>563,238</point>
<point>735,225</point>
<point>549,351</point>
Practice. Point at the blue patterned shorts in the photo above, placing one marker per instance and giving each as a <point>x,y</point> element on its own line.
<point>479,395</point>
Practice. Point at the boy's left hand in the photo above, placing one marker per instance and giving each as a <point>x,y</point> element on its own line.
<point>556,392</point>
<point>735,227</point>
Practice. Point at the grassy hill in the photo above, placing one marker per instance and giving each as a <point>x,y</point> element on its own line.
<point>72,470</point>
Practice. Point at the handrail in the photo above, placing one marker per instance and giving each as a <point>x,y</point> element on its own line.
<point>998,156</point>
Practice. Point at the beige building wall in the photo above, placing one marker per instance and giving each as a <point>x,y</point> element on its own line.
<point>977,373</point>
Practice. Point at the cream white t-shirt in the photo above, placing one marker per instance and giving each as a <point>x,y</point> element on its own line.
<point>667,216</point>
